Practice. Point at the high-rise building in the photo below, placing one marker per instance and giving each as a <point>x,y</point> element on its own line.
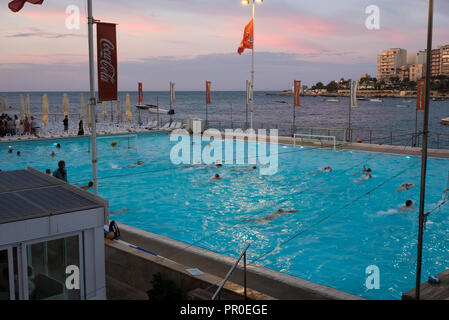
<point>389,61</point>
<point>444,57</point>
<point>436,62</point>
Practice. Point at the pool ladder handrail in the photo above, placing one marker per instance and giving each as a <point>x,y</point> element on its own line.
<point>226,278</point>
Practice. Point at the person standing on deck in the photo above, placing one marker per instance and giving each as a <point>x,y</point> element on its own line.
<point>66,123</point>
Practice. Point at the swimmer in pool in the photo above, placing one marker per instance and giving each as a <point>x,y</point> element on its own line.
<point>89,185</point>
<point>138,163</point>
<point>327,169</point>
<point>271,216</point>
<point>405,187</point>
<point>194,165</point>
<point>58,146</point>
<point>52,154</point>
<point>244,170</point>
<point>365,170</point>
<point>216,177</point>
<point>114,144</point>
<point>408,206</point>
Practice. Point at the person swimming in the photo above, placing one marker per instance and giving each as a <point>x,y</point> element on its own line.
<point>365,170</point>
<point>366,176</point>
<point>138,163</point>
<point>408,206</point>
<point>18,153</point>
<point>327,169</point>
<point>216,177</point>
<point>271,216</point>
<point>244,170</point>
<point>114,144</point>
<point>89,185</point>
<point>9,150</point>
<point>405,187</point>
<point>52,154</point>
<point>58,146</point>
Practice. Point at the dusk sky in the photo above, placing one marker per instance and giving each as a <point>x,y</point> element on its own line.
<point>191,41</point>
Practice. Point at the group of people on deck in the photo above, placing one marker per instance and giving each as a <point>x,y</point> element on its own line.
<point>15,126</point>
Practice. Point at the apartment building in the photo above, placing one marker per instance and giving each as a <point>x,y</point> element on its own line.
<point>417,71</point>
<point>444,60</point>
<point>389,61</point>
<point>436,62</point>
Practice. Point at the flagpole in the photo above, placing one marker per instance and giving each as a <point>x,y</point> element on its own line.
<point>92,101</point>
<point>252,68</point>
<point>424,152</point>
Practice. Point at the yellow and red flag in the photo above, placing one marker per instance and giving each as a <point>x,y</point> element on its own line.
<point>248,38</point>
<point>17,5</point>
<point>208,85</point>
<point>421,95</point>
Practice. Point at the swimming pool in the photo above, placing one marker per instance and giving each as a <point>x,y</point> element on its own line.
<point>343,225</point>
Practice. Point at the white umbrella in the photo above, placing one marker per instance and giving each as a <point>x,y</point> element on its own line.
<point>27,106</point>
<point>129,115</point>
<point>45,110</point>
<point>119,111</point>
<point>21,106</point>
<point>65,104</point>
<point>82,107</point>
<point>104,111</point>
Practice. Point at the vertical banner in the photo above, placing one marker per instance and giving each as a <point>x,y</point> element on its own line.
<point>208,86</point>
<point>107,61</point>
<point>421,95</point>
<point>354,85</point>
<point>172,92</point>
<point>297,91</point>
<point>248,92</point>
<point>140,93</point>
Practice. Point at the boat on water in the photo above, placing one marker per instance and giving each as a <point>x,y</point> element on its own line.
<point>445,121</point>
<point>332,100</point>
<point>406,101</point>
<point>362,99</point>
<point>402,106</point>
<point>154,109</point>
<point>376,100</point>
<point>438,99</point>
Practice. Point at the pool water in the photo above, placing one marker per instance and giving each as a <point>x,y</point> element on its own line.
<point>343,225</point>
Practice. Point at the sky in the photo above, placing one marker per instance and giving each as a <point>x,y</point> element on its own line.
<point>191,41</point>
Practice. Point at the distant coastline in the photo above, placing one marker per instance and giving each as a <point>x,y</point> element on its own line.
<point>365,94</point>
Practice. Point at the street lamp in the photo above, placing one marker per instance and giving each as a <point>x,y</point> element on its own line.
<point>246,2</point>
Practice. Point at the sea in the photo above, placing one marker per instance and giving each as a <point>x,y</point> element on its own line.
<point>386,122</point>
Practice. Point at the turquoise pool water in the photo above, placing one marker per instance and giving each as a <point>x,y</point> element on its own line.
<point>343,225</point>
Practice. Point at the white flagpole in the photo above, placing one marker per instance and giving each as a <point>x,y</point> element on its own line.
<point>93,100</point>
<point>252,67</point>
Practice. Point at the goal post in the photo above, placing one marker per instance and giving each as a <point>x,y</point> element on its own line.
<point>121,139</point>
<point>313,139</point>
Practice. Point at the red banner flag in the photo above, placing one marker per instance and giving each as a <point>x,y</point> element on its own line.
<point>208,85</point>
<point>17,5</point>
<point>421,95</point>
<point>107,61</point>
<point>140,93</point>
<point>297,89</point>
<point>248,38</point>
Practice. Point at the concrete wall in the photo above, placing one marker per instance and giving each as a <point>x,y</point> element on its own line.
<point>267,281</point>
<point>130,272</point>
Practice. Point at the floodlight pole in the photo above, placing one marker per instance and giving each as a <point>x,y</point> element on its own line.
<point>424,151</point>
<point>252,68</point>
<point>92,100</point>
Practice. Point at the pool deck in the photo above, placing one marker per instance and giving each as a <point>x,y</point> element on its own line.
<point>431,291</point>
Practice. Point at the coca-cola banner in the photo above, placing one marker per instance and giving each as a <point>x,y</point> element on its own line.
<point>107,61</point>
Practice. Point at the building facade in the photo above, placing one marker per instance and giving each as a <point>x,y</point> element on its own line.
<point>444,60</point>
<point>417,71</point>
<point>389,61</point>
<point>436,62</point>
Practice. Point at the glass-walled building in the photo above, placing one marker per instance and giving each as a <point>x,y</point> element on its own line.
<point>51,239</point>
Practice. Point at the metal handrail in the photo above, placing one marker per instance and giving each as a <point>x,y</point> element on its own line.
<point>243,254</point>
